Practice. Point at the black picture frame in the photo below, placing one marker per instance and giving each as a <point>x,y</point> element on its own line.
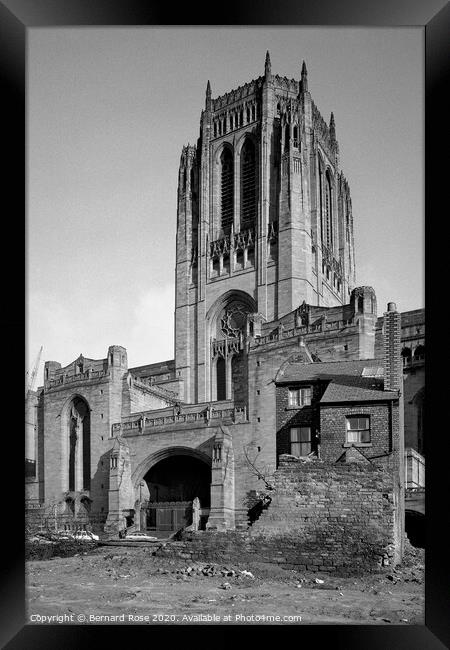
<point>16,16</point>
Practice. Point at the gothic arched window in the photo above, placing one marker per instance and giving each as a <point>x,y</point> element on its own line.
<point>227,189</point>
<point>248,184</point>
<point>328,210</point>
<point>79,464</point>
<point>221,379</point>
<point>320,170</point>
<point>192,182</point>
<point>286,137</point>
<point>347,217</point>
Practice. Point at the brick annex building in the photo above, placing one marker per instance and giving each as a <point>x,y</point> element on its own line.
<point>282,367</point>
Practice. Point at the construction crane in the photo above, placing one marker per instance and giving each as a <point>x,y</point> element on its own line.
<point>34,373</point>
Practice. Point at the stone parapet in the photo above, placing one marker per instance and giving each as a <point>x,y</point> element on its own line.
<point>146,422</point>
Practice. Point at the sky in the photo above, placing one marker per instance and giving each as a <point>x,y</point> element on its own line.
<point>108,111</point>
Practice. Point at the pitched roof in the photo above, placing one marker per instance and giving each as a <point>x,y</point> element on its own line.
<point>349,381</point>
<point>352,390</point>
<point>153,368</point>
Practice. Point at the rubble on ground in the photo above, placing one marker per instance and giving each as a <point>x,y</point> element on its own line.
<point>210,570</point>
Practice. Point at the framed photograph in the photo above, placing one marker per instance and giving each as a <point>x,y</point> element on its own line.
<point>225,319</point>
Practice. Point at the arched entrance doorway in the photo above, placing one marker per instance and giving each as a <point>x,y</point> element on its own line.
<point>177,490</point>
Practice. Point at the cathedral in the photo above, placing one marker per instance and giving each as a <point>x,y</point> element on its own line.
<point>282,367</point>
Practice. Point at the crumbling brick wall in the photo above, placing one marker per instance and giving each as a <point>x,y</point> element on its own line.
<point>336,514</point>
<point>323,517</point>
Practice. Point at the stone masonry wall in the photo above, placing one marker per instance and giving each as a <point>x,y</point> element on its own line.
<point>414,381</point>
<point>143,400</point>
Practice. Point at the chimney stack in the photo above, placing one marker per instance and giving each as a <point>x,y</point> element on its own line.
<point>392,348</point>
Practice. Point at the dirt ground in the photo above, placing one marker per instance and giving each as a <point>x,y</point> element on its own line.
<point>120,585</point>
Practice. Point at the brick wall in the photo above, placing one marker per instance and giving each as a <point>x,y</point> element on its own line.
<point>323,517</point>
<point>333,429</point>
<point>287,417</point>
<point>330,515</point>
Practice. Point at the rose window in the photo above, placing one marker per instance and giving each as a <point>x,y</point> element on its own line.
<point>233,320</point>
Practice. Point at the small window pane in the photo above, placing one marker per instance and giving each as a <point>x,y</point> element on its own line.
<point>305,434</point>
<point>295,435</point>
<point>299,396</point>
<point>295,449</point>
<point>365,436</point>
<point>305,448</point>
<point>306,396</point>
<point>358,429</point>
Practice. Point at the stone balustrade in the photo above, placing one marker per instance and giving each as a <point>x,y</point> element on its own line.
<point>70,379</point>
<point>226,347</point>
<point>203,413</point>
<point>279,335</point>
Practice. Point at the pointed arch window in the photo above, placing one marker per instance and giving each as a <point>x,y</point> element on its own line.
<point>286,137</point>
<point>79,434</point>
<point>319,164</point>
<point>248,184</point>
<point>221,379</point>
<point>227,190</point>
<point>347,220</point>
<point>328,210</point>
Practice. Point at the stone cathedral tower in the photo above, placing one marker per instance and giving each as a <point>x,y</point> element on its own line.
<point>279,359</point>
<point>264,223</point>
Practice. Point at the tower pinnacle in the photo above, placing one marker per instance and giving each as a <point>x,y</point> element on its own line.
<point>267,66</point>
<point>304,79</point>
<point>208,96</point>
<point>332,127</point>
